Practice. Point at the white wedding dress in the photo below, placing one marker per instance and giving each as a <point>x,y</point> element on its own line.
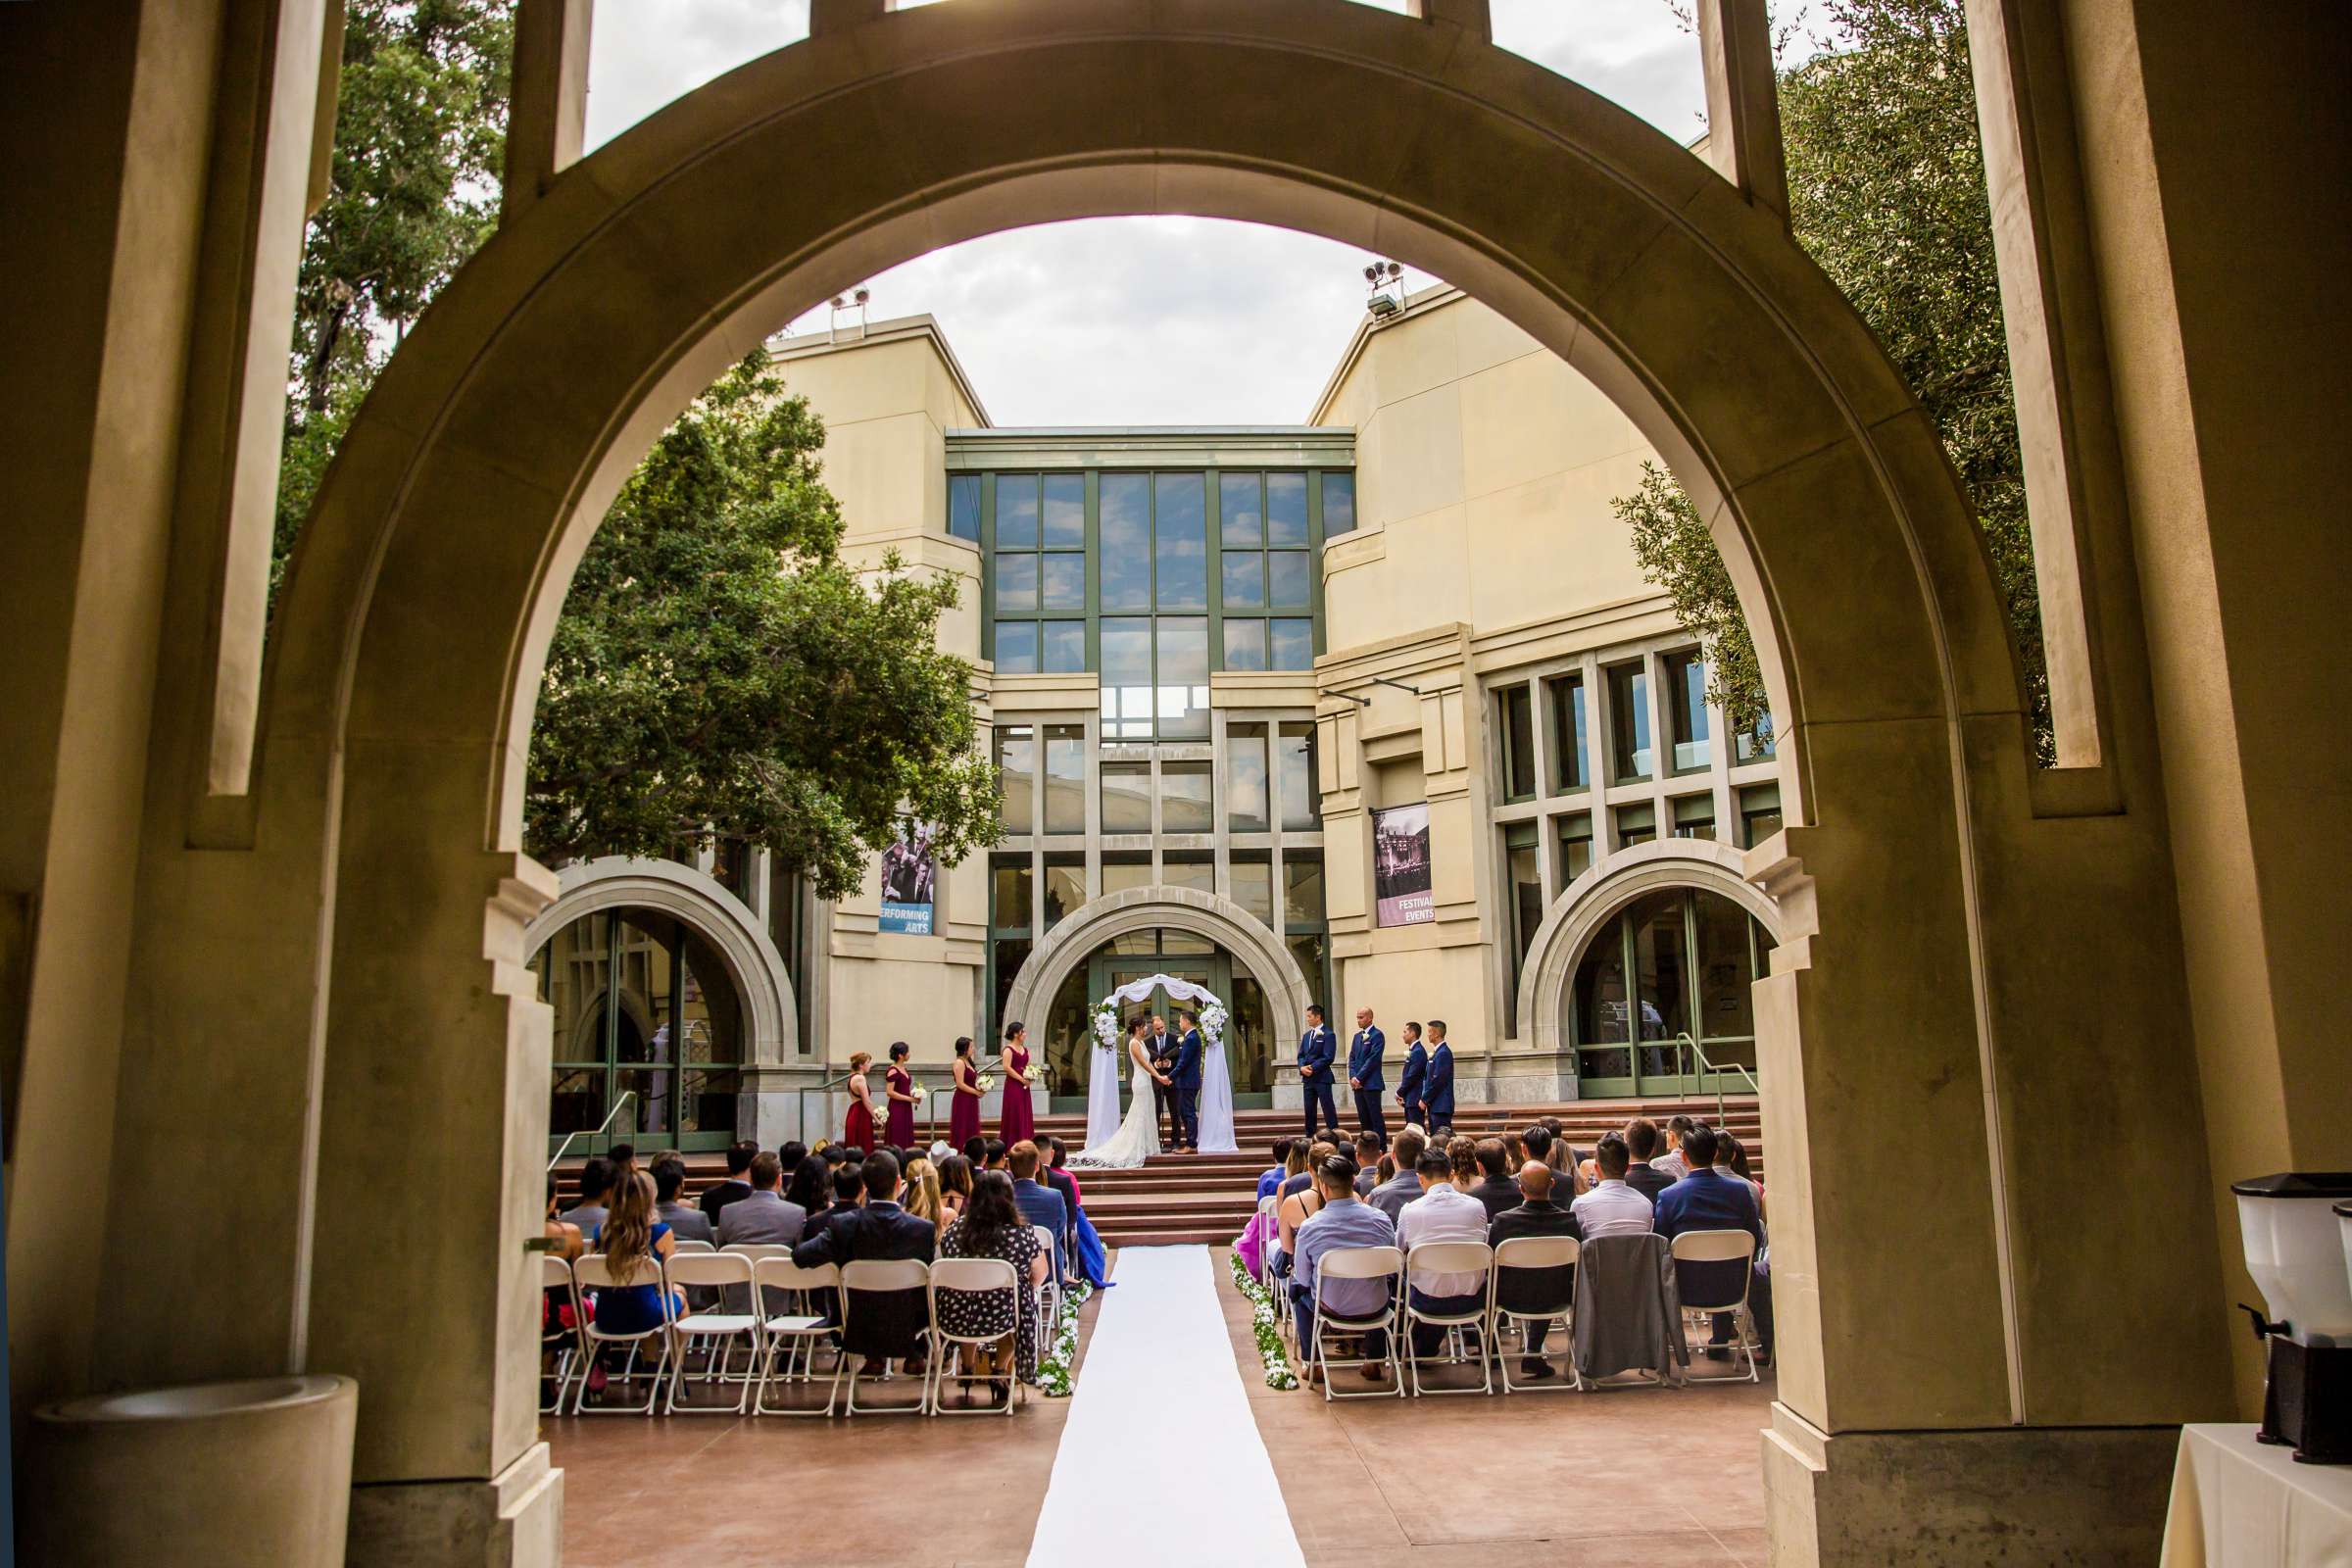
<point>1137,1138</point>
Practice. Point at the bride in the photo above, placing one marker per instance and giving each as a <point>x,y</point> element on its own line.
<point>1137,1137</point>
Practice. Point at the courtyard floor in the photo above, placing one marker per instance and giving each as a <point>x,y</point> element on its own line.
<point>1666,1477</point>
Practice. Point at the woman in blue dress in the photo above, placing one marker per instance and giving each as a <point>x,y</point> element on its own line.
<point>630,1235</point>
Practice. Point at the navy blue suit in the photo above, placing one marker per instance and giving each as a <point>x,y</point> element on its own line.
<point>1437,1090</point>
<point>1041,1204</point>
<point>1317,1050</point>
<point>1714,1200</point>
<point>1364,1053</point>
<point>1186,1077</point>
<point>1411,1088</point>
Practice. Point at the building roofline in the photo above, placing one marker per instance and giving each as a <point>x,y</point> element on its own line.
<point>897,329</point>
<point>1432,298</point>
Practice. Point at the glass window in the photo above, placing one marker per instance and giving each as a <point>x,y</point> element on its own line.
<point>1017,512</point>
<point>1009,894</point>
<point>1252,878</point>
<point>1686,697</point>
<point>1245,778</point>
<point>1244,579</point>
<point>1568,766</point>
<point>1016,767</point>
<point>1295,767</point>
<point>1007,960</point>
<point>1755,744</point>
<point>963,505</point>
<point>1695,816</point>
<point>1122,873</point>
<point>1126,541</point>
<point>1635,824</point>
<point>1285,509</point>
<point>1063,647</point>
<point>1760,813</point>
<point>1629,720</point>
<point>1241,514</point>
<point>1196,871</point>
<point>1126,678</point>
<point>1311,952</point>
<point>1287,585</point>
<point>1016,646</point>
<point>1662,967</point>
<point>1523,876</point>
<point>1727,968</point>
<point>1184,798</point>
<point>1599,1008</point>
<point>1184,941</point>
<point>1516,708</point>
<point>1183,678</point>
<point>1301,888</point>
<point>1126,796</point>
<point>1065,511</point>
<point>1063,585</point>
<point>1290,645</point>
<point>1065,888</point>
<point>1180,540</point>
<point>1339,505</point>
<point>1246,644</point>
<point>1576,846</point>
<point>1016,583</point>
<point>1065,778</point>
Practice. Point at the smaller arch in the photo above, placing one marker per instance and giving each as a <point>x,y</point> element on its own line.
<point>717,916</point>
<point>1592,900</point>
<point>1115,914</point>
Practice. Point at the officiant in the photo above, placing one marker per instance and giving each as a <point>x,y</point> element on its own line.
<point>1164,1089</point>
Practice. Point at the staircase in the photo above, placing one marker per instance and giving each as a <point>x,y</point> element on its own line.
<point>1208,1197</point>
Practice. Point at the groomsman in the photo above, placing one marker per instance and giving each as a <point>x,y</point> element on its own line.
<point>1411,1088</point>
<point>1364,1054</point>
<point>1318,1047</point>
<point>1437,1092</point>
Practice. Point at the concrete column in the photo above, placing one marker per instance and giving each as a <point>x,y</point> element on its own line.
<point>1743,103</point>
<point>1473,17</point>
<point>548,118</point>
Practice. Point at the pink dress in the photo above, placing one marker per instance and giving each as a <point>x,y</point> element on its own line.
<point>1020,1120</point>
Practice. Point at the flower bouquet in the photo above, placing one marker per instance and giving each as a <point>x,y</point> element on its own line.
<point>983,1082</point>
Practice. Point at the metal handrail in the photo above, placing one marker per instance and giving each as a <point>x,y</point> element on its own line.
<point>604,1129</point>
<point>1687,1048</point>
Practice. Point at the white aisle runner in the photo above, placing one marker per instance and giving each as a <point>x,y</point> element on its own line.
<point>1160,1460</point>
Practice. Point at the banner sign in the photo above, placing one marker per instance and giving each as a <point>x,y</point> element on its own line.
<point>909,882</point>
<point>1401,865</point>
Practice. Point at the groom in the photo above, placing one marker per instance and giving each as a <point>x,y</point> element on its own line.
<point>1186,1077</point>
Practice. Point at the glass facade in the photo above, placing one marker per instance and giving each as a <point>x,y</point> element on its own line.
<point>1687,710</point>
<point>1629,722</point>
<point>1671,962</point>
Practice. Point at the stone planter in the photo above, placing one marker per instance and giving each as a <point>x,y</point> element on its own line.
<point>206,1474</point>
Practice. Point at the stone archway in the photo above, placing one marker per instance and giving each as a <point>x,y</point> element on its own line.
<point>1203,914</point>
<point>1587,904</point>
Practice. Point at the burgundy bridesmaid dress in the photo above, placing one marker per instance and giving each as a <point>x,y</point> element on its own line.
<point>1020,1120</point>
<point>899,1127</point>
<point>963,1117</point>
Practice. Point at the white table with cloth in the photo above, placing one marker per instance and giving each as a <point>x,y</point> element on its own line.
<point>2239,1503</point>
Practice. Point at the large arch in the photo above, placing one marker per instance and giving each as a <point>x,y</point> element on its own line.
<point>1588,903</point>
<point>1114,914</point>
<point>384,879</point>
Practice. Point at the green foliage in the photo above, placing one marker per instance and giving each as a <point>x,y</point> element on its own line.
<point>695,691</point>
<point>1675,551</point>
<point>1886,190</point>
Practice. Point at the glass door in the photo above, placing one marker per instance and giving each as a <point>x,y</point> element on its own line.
<point>1673,963</point>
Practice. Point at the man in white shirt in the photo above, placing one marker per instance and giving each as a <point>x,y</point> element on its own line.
<point>1611,1209</point>
<point>1444,1212</point>
<point>1673,1162</point>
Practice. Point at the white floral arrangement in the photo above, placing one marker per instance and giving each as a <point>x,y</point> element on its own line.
<point>919,1092</point>
<point>1106,1027</point>
<point>1212,1023</point>
<point>1264,1324</point>
<point>1054,1369</point>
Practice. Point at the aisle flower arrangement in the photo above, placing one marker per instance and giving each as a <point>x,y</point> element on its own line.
<point>1055,1377</point>
<point>1264,1324</point>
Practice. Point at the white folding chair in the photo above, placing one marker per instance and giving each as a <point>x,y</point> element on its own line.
<point>555,1274</point>
<point>722,1328</point>
<point>594,1272</point>
<point>687,1243</point>
<point>1724,1246</point>
<point>1049,1293</point>
<point>1270,1206</point>
<point>1357,1263</point>
<point>797,1334</point>
<point>1539,1252</point>
<point>975,1275</point>
<point>1452,1257</point>
<point>868,1274</point>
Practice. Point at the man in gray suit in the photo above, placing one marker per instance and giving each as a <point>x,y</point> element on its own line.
<point>685,1222</point>
<point>765,1218</point>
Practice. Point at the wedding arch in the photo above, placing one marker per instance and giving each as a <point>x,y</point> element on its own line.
<point>1216,1080</point>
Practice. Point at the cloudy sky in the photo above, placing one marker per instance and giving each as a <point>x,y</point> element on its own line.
<point>1143,321</point>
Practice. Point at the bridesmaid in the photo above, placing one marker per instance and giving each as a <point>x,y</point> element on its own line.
<point>1019,1121</point>
<point>899,1089</point>
<point>963,1115</point>
<point>860,1132</point>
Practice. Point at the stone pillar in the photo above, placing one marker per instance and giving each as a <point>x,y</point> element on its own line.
<point>1743,104</point>
<point>547,124</point>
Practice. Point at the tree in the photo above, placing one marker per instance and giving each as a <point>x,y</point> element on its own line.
<point>695,691</point>
<point>1886,190</point>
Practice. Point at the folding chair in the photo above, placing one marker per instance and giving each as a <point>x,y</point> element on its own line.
<point>868,1274</point>
<point>594,1272</point>
<point>1723,1246</point>
<point>1357,1263</point>
<point>687,1243</point>
<point>555,1274</point>
<point>1539,1252</point>
<point>1049,1293</point>
<point>1270,1206</point>
<point>795,1334</point>
<point>1452,1257</point>
<point>723,1329</point>
<point>973,1274</point>
<point>757,1251</point>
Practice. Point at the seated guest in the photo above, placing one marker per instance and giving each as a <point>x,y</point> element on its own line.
<point>1039,1204</point>
<point>975,1149</point>
<point>718,1195</point>
<point>1444,1212</point>
<point>1534,1290</point>
<point>1300,1204</point>
<point>993,1154</point>
<point>1305,1154</point>
<point>1732,1155</point>
<point>884,1325</point>
<point>1390,1196</point>
<point>809,1185</point>
<point>623,1157</point>
<point>1711,1200</point>
<point>555,1323</point>
<point>992,1226</point>
<point>954,1187</point>
<point>630,1235</point>
<point>1672,1161</point>
<point>1613,1207</point>
<point>1341,1220</point>
<point>1269,1180</point>
<point>1643,1176</point>
<point>1054,1170</point>
<point>848,1194</point>
<point>1462,1154</point>
<point>1367,1159</point>
<point>686,1223</point>
<point>921,1198</point>
<point>595,1191</point>
<point>1515,1149</point>
<point>764,1217</point>
<point>789,1155</point>
<point>1494,1186</point>
<point>564,1238</point>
